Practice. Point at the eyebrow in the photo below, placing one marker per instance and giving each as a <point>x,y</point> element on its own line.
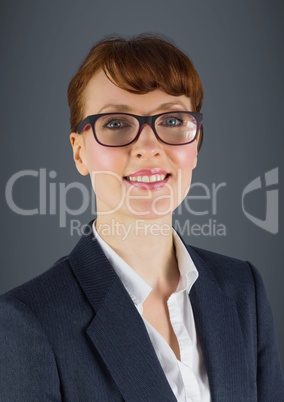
<point>126,108</point>
<point>116,107</point>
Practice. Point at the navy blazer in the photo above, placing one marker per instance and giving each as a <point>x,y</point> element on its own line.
<point>73,334</point>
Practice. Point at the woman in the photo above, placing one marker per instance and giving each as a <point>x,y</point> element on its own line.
<point>133,313</point>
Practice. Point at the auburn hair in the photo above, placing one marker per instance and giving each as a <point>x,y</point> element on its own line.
<point>139,65</point>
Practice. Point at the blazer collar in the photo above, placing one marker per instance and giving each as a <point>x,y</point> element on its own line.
<point>120,336</point>
<point>117,329</point>
<point>219,331</point>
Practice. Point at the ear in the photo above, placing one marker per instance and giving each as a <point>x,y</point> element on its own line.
<point>77,144</point>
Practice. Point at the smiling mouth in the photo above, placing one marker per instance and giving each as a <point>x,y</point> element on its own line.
<point>154,178</point>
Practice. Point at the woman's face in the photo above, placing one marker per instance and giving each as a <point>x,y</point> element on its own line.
<point>114,171</point>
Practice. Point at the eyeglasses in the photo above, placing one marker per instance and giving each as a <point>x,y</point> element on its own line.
<point>121,129</point>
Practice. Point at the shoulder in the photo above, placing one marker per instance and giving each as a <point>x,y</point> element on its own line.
<point>220,263</point>
<point>46,291</point>
<point>236,277</point>
<point>58,270</point>
<point>216,258</point>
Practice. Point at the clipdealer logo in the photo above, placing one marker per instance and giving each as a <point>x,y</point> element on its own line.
<point>49,192</point>
<point>270,223</point>
<point>52,198</point>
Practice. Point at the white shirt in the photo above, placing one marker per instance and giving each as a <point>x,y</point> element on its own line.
<point>187,377</point>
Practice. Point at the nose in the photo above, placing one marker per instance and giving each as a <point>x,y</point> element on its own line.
<point>147,145</point>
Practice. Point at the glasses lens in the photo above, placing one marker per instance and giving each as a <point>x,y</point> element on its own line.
<point>176,128</point>
<point>116,129</point>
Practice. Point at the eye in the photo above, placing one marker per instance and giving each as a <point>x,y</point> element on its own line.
<point>114,124</point>
<point>171,121</point>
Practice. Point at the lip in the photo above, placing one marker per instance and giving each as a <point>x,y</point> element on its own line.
<point>148,172</point>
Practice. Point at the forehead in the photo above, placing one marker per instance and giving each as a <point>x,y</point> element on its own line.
<point>102,96</point>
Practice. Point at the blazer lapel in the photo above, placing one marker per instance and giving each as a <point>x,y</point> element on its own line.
<point>117,330</point>
<point>220,335</point>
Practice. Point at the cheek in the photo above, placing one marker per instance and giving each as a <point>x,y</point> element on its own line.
<point>100,158</point>
<point>185,156</point>
<point>185,160</point>
<point>106,167</point>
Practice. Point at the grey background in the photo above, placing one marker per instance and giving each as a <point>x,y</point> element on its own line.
<point>237,47</point>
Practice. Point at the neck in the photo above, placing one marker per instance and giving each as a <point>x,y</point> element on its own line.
<point>146,245</point>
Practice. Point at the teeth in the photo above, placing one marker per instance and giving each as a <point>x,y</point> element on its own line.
<point>148,179</point>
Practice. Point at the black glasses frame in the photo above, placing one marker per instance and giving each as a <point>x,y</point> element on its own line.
<point>143,120</point>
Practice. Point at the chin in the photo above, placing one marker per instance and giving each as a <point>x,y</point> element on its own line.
<point>155,207</point>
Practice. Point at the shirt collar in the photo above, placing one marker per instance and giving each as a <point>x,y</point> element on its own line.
<point>187,269</point>
<point>137,288</point>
